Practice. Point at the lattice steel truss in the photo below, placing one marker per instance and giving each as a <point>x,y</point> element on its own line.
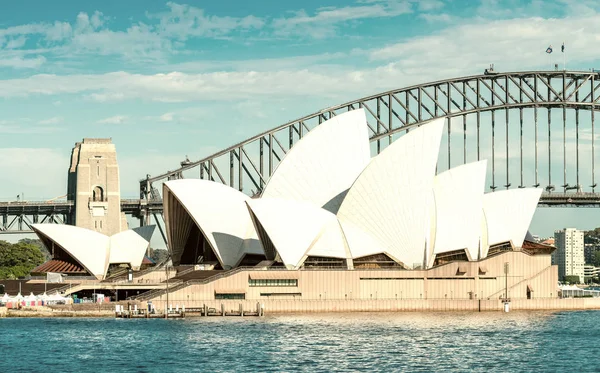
<point>532,127</point>
<point>526,102</point>
<point>17,217</point>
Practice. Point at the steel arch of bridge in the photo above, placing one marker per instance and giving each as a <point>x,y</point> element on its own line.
<point>248,164</point>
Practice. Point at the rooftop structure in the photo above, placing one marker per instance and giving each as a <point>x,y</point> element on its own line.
<point>80,251</point>
<point>331,223</point>
<point>351,212</point>
<point>208,222</point>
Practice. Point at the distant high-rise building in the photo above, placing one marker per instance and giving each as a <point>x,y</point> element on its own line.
<point>590,252</point>
<point>569,255</point>
<point>93,184</point>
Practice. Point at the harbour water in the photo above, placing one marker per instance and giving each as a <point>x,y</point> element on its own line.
<point>368,342</point>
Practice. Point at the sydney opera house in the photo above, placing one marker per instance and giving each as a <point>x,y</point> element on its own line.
<point>330,204</point>
<point>333,222</point>
<point>79,251</point>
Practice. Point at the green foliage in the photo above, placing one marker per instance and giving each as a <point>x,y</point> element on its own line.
<point>588,280</point>
<point>571,279</point>
<point>17,260</point>
<point>158,255</point>
<point>596,258</point>
<point>37,243</point>
<point>592,237</point>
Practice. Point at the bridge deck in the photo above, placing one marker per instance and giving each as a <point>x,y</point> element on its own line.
<point>133,206</point>
<point>129,206</point>
<point>140,208</point>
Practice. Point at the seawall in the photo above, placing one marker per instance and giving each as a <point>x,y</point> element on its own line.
<point>69,310</point>
<point>325,306</point>
<point>387,305</point>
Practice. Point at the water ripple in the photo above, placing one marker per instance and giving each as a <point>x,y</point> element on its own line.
<point>373,342</point>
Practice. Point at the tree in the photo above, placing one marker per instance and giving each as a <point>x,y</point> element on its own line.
<point>572,279</point>
<point>157,255</point>
<point>17,260</point>
<point>37,243</point>
<point>592,237</point>
<point>596,258</point>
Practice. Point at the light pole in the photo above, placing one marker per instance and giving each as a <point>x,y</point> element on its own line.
<point>506,269</point>
<point>167,289</point>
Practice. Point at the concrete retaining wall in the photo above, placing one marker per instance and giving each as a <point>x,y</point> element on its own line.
<point>301,306</point>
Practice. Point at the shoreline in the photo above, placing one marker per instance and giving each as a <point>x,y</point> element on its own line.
<point>327,306</point>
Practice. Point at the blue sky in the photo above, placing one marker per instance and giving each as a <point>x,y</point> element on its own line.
<point>170,79</point>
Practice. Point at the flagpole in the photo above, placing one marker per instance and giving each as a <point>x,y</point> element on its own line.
<point>564,56</point>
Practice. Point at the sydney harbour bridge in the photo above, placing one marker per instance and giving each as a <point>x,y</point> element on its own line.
<point>535,128</point>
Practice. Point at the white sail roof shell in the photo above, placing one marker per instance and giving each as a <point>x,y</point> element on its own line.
<point>299,228</point>
<point>458,195</point>
<point>89,248</point>
<point>221,215</point>
<point>392,197</point>
<point>324,163</point>
<point>128,247</point>
<point>363,244</point>
<point>330,242</point>
<point>507,215</point>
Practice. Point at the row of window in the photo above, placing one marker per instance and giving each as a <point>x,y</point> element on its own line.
<point>273,282</point>
<point>230,296</point>
<point>243,296</point>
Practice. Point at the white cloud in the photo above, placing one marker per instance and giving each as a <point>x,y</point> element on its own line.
<point>135,167</point>
<point>184,21</point>
<point>325,20</point>
<point>167,117</point>
<point>22,63</point>
<point>464,49</point>
<point>38,173</point>
<point>106,97</point>
<point>437,18</point>
<point>25,126</point>
<point>17,42</point>
<point>510,44</point>
<point>162,35</point>
<point>91,34</point>
<point>53,120</point>
<point>262,64</point>
<point>428,5</point>
<point>117,119</point>
<point>180,87</point>
<point>58,31</point>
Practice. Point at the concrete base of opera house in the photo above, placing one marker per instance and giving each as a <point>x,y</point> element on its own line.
<point>456,286</point>
<point>408,305</point>
<point>452,286</point>
<point>331,306</point>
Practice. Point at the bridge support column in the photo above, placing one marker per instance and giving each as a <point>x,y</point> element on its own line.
<point>145,218</point>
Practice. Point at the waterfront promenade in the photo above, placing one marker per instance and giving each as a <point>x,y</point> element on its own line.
<point>326,306</point>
